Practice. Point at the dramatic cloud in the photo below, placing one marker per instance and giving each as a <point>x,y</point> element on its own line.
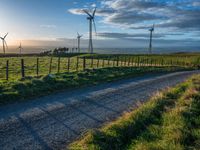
<point>142,13</point>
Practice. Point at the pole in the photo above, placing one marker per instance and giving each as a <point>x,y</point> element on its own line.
<point>77,63</point>
<point>37,67</point>
<point>150,43</point>
<point>90,37</point>
<point>117,61</point>
<point>59,64</point>
<point>92,59</point>
<point>22,68</point>
<point>68,64</point>
<point>50,65</point>
<point>84,63</point>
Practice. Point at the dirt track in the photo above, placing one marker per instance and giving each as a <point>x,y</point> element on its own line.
<point>53,121</point>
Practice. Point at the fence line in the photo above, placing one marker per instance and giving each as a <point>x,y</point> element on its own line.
<point>83,63</point>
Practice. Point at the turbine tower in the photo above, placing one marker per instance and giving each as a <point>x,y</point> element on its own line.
<point>79,40</point>
<point>20,48</point>
<point>151,36</point>
<point>5,46</point>
<point>91,19</point>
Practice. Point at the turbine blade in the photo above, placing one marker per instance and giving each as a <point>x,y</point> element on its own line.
<point>87,12</point>
<point>6,44</point>
<point>94,12</point>
<point>5,36</point>
<point>95,29</point>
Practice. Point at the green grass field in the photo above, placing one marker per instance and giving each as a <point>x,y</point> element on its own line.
<point>92,61</point>
<point>169,121</point>
<point>31,87</point>
<point>67,74</point>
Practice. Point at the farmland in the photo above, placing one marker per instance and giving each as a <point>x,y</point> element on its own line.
<point>39,76</point>
<point>168,121</point>
<point>40,66</point>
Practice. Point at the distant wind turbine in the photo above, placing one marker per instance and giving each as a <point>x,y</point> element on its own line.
<point>151,36</point>
<point>91,18</point>
<point>5,46</point>
<point>20,48</point>
<point>79,39</point>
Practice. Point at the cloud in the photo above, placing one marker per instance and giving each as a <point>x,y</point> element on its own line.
<point>138,14</point>
<point>196,3</point>
<point>138,35</point>
<point>76,11</point>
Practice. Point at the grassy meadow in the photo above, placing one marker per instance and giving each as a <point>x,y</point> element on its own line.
<point>53,65</point>
<point>168,121</point>
<point>67,72</point>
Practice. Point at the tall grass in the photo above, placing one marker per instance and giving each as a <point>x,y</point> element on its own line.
<point>168,121</point>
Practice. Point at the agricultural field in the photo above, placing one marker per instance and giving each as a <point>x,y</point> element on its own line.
<point>168,121</point>
<point>11,67</point>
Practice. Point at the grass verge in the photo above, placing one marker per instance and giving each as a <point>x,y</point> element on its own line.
<point>30,87</point>
<point>169,121</point>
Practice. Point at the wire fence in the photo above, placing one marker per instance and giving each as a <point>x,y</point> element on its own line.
<point>15,68</point>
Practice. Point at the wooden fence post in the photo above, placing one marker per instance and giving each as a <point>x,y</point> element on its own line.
<point>108,61</point>
<point>51,59</point>
<point>151,61</point>
<point>77,63</point>
<point>92,59</point>
<point>68,64</point>
<point>37,67</point>
<point>162,63</point>
<point>103,63</point>
<point>117,61</point>
<point>132,61</point>
<point>84,63</point>
<point>121,64</point>
<point>59,64</point>
<point>22,68</point>
<point>138,61</point>
<point>7,69</point>
<point>97,62</point>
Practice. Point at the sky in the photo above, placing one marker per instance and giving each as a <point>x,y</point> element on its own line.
<point>120,23</point>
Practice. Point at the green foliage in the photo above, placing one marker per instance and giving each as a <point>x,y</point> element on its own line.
<point>168,121</point>
<point>31,87</point>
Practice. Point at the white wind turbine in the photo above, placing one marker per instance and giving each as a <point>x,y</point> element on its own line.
<point>20,48</point>
<point>79,40</point>
<point>91,18</point>
<point>5,46</point>
<point>151,36</point>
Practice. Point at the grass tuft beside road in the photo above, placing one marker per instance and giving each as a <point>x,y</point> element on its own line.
<point>169,121</point>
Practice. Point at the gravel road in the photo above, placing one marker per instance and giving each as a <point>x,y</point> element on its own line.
<point>54,121</point>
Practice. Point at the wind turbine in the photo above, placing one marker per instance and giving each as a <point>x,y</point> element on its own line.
<point>151,36</point>
<point>91,17</point>
<point>79,39</point>
<point>20,48</point>
<point>4,43</point>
